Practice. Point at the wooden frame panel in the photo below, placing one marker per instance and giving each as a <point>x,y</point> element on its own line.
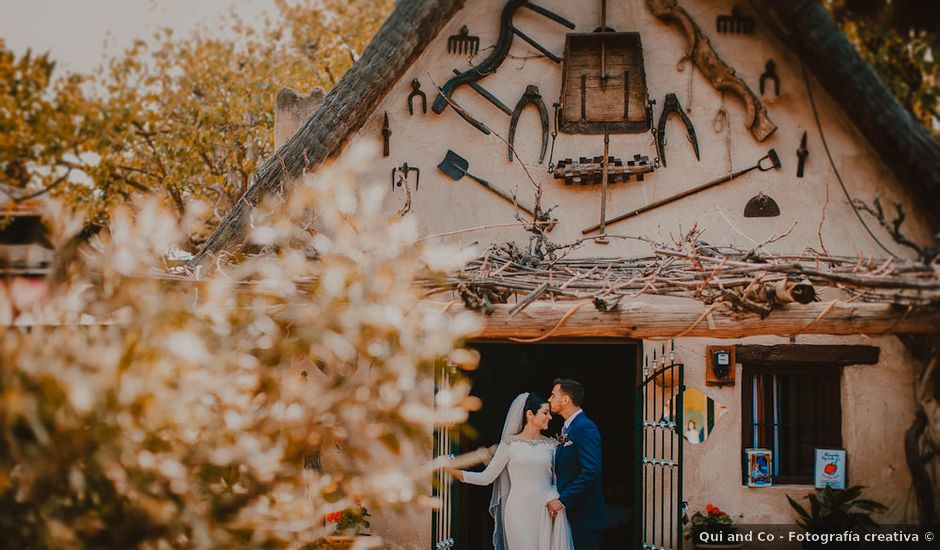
<point>621,107</point>
<point>807,354</point>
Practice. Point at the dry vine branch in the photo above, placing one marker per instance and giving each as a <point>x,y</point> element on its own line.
<point>745,280</point>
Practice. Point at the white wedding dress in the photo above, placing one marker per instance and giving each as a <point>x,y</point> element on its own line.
<point>526,523</point>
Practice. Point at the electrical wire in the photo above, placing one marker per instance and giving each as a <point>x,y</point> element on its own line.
<point>812,101</point>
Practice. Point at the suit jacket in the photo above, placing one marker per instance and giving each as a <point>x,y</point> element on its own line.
<point>578,476</point>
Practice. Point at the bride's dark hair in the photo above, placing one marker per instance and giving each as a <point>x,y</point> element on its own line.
<point>532,403</point>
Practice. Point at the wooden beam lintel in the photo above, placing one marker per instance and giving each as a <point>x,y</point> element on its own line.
<point>807,354</point>
<point>546,320</point>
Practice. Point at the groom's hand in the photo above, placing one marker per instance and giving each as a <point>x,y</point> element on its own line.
<point>554,506</point>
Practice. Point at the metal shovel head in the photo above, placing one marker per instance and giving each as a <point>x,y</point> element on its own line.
<point>454,165</point>
<point>761,206</point>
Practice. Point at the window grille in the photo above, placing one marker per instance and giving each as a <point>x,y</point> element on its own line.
<point>791,411</point>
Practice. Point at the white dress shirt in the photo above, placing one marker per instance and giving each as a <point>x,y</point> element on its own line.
<point>569,420</point>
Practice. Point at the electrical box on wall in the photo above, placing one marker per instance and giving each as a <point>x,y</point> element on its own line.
<point>719,365</point>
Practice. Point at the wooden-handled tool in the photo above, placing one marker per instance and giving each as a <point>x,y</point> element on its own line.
<point>455,166</point>
<point>771,157</point>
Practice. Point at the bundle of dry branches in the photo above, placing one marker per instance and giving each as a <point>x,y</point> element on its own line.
<point>749,280</point>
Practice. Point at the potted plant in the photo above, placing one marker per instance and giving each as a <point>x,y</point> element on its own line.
<point>834,511</point>
<point>350,524</point>
<point>711,529</point>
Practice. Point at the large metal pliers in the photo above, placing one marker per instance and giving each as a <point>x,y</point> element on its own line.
<point>533,97</point>
<point>671,105</point>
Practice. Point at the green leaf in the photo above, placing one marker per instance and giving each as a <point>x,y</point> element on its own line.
<point>799,509</point>
<point>816,506</point>
<point>870,505</point>
<point>851,493</point>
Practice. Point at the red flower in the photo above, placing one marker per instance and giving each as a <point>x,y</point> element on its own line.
<point>714,511</point>
<point>334,517</point>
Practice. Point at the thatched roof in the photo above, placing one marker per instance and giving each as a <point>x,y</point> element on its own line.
<point>805,26</point>
<point>403,36</point>
<point>909,150</point>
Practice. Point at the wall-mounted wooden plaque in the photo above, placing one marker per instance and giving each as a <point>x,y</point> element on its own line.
<point>719,365</point>
<point>604,84</point>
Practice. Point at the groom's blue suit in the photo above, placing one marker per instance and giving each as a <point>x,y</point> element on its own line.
<point>578,477</point>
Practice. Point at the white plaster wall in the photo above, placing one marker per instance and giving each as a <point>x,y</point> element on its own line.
<point>877,399</point>
<point>877,407</point>
<point>443,205</point>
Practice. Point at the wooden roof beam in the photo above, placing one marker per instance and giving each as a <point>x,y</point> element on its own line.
<point>654,319</point>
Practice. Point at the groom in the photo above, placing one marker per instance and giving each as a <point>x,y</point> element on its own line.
<point>578,467</point>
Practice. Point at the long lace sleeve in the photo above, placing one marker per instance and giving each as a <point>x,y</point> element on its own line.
<point>493,469</point>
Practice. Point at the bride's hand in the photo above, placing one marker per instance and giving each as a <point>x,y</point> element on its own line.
<point>456,474</point>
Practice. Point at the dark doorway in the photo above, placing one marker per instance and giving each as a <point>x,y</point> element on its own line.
<point>608,373</point>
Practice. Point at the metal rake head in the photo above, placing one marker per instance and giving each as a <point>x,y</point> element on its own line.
<point>463,43</point>
<point>736,23</point>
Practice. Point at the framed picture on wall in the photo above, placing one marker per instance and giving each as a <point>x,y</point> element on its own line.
<point>759,467</point>
<point>830,468</point>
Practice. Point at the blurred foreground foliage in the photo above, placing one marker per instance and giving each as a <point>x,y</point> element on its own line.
<point>180,117</point>
<point>146,410</point>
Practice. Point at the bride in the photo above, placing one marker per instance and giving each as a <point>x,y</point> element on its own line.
<point>522,469</point>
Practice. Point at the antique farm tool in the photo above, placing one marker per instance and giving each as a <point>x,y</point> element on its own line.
<point>492,62</point>
<point>718,73</point>
<point>603,91</point>
<point>463,43</point>
<point>488,96</point>
<point>551,153</point>
<point>605,163</point>
<point>603,86</point>
<point>671,105</point>
<point>416,92</point>
<point>456,167</point>
<point>768,162</point>
<point>770,73</point>
<point>386,136</point>
<point>736,23</point>
<point>402,175</point>
<point>761,206</point>
<point>801,154</point>
<point>586,170</point>
<point>531,96</point>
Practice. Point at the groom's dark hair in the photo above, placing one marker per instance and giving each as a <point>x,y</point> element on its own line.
<point>572,389</point>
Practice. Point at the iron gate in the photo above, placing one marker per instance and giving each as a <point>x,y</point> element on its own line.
<point>659,448</point>
<point>445,444</point>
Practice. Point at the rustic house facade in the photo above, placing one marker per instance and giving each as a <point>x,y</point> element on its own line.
<point>25,260</point>
<point>766,307</point>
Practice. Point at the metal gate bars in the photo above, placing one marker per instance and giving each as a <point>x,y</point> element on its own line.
<point>443,521</point>
<point>659,448</point>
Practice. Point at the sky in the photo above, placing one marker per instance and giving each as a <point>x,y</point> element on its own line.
<point>79,33</point>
